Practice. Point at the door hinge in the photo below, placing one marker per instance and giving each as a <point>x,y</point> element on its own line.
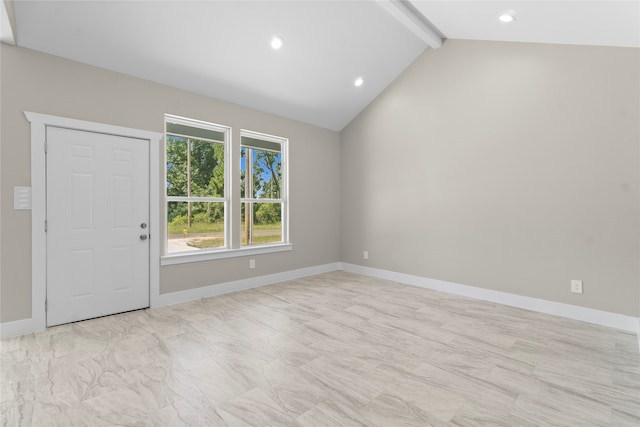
<point>45,226</point>
<point>45,146</point>
<point>46,305</point>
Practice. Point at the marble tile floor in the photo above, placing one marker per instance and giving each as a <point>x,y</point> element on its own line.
<point>336,349</point>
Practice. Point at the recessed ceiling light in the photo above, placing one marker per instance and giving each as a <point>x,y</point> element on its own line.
<point>358,82</point>
<point>507,18</point>
<point>276,42</point>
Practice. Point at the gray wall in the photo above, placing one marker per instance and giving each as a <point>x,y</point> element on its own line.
<point>46,84</point>
<point>513,167</point>
<point>507,166</point>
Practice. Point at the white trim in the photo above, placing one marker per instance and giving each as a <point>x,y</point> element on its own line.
<point>179,120</point>
<point>27,326</point>
<point>39,122</point>
<point>7,32</point>
<point>154,219</point>
<point>618,321</point>
<point>413,19</point>
<point>17,328</point>
<point>240,285</point>
<point>226,130</point>
<point>604,318</point>
<point>284,190</point>
<point>195,199</point>
<point>38,216</point>
<point>253,200</point>
<point>260,135</point>
<point>193,256</point>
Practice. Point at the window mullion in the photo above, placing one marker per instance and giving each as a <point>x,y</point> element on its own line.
<point>254,200</point>
<point>248,190</point>
<point>195,199</point>
<point>189,181</point>
<point>229,178</point>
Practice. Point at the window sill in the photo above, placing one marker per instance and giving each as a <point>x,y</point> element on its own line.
<point>187,257</point>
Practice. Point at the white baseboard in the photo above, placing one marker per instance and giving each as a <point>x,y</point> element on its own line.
<point>17,328</point>
<point>27,326</point>
<point>604,318</point>
<point>613,320</point>
<point>240,285</point>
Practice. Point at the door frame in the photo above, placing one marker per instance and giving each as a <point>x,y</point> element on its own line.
<point>39,123</point>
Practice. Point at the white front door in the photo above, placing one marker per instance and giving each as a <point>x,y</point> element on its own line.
<point>97,224</point>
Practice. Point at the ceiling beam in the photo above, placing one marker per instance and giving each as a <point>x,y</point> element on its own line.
<point>7,22</point>
<point>413,20</point>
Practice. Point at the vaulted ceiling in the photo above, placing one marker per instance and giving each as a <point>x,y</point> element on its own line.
<point>223,49</point>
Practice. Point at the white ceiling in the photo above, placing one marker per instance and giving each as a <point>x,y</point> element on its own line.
<point>221,48</point>
<point>603,23</point>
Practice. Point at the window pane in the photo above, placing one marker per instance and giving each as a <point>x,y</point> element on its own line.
<point>264,223</point>
<point>261,173</point>
<point>195,225</point>
<point>176,166</point>
<point>207,169</point>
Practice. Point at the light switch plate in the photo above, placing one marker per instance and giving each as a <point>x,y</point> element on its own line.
<point>22,198</point>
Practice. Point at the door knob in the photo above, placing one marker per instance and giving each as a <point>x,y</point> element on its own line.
<point>143,237</point>
<point>143,225</point>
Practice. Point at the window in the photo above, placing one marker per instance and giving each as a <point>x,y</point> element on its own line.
<point>262,188</point>
<point>216,211</point>
<point>197,194</point>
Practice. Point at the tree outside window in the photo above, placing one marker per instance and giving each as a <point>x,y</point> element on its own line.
<point>196,200</point>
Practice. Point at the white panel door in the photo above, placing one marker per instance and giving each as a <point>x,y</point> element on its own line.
<point>97,224</point>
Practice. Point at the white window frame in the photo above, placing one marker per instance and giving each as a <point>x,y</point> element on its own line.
<point>232,202</point>
<point>168,118</point>
<point>284,190</point>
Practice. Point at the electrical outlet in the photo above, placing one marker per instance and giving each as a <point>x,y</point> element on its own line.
<point>252,263</point>
<point>366,254</point>
<point>576,286</point>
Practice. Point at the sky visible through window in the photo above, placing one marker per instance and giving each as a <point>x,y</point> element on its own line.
<point>265,173</point>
